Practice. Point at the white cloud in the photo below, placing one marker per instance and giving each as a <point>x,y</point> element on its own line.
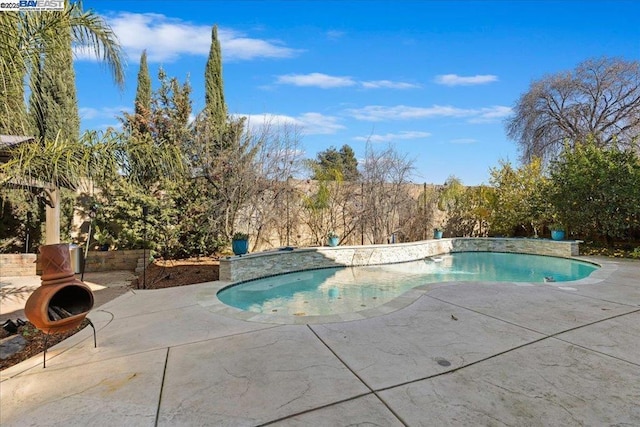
<point>257,121</point>
<point>319,124</point>
<point>308,123</point>
<point>463,141</point>
<point>389,137</point>
<point>491,114</point>
<point>377,113</point>
<point>388,84</point>
<point>320,80</point>
<point>335,34</point>
<point>89,113</point>
<point>456,80</point>
<point>237,47</point>
<point>166,39</point>
<point>326,81</point>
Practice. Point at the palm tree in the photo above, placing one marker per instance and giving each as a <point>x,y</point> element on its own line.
<point>36,45</point>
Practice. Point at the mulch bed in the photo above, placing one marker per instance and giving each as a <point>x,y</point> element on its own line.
<point>35,342</point>
<point>171,273</point>
<point>161,274</point>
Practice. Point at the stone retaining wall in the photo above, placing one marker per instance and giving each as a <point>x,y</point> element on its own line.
<point>17,265</point>
<point>29,265</point>
<point>261,264</point>
<point>113,260</point>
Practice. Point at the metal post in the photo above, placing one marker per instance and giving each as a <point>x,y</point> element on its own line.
<point>145,211</point>
<point>288,211</point>
<point>28,229</point>
<point>362,216</point>
<point>424,213</point>
<point>288,218</point>
<point>92,214</point>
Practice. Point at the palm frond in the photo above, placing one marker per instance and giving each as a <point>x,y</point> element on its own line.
<point>59,162</point>
<point>90,30</point>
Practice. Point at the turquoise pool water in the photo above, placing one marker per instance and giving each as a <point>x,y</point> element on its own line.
<point>348,289</point>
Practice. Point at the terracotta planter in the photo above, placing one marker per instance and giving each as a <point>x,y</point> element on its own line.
<point>61,302</point>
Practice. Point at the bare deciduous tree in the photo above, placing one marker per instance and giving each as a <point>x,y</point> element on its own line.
<point>329,206</point>
<point>419,220</point>
<point>384,176</point>
<point>599,101</point>
<point>224,159</point>
<point>272,211</point>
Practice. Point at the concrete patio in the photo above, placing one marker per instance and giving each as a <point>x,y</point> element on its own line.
<point>553,354</point>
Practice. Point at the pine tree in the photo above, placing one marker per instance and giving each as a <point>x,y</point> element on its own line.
<point>349,163</point>
<point>215,106</point>
<point>332,162</point>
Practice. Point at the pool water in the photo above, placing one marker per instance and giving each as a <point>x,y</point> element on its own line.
<point>348,289</point>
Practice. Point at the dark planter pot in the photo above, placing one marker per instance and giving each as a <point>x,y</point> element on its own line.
<point>557,234</point>
<point>333,241</point>
<point>240,247</point>
<point>437,234</point>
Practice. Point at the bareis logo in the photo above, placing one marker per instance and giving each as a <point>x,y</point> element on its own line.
<point>42,4</point>
<point>32,5</point>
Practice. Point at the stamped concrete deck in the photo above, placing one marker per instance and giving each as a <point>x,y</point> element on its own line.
<point>555,354</point>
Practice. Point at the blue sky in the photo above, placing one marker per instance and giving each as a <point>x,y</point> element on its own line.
<point>436,79</point>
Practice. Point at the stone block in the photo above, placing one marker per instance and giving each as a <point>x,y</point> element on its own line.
<point>11,345</point>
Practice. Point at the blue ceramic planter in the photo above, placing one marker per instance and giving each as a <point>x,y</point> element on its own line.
<point>437,234</point>
<point>240,247</point>
<point>333,241</point>
<point>557,235</point>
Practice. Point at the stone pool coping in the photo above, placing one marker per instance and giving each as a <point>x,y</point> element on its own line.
<point>566,249</point>
<point>288,260</point>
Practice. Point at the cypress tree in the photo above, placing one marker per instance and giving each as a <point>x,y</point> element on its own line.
<point>12,74</point>
<point>143,96</point>
<point>214,87</point>
<point>54,106</point>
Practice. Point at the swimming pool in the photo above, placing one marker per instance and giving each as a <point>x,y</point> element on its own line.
<point>339,290</point>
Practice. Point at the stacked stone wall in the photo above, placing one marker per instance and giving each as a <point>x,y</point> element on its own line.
<point>261,264</point>
<point>17,265</point>
<point>113,260</point>
<point>29,264</point>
